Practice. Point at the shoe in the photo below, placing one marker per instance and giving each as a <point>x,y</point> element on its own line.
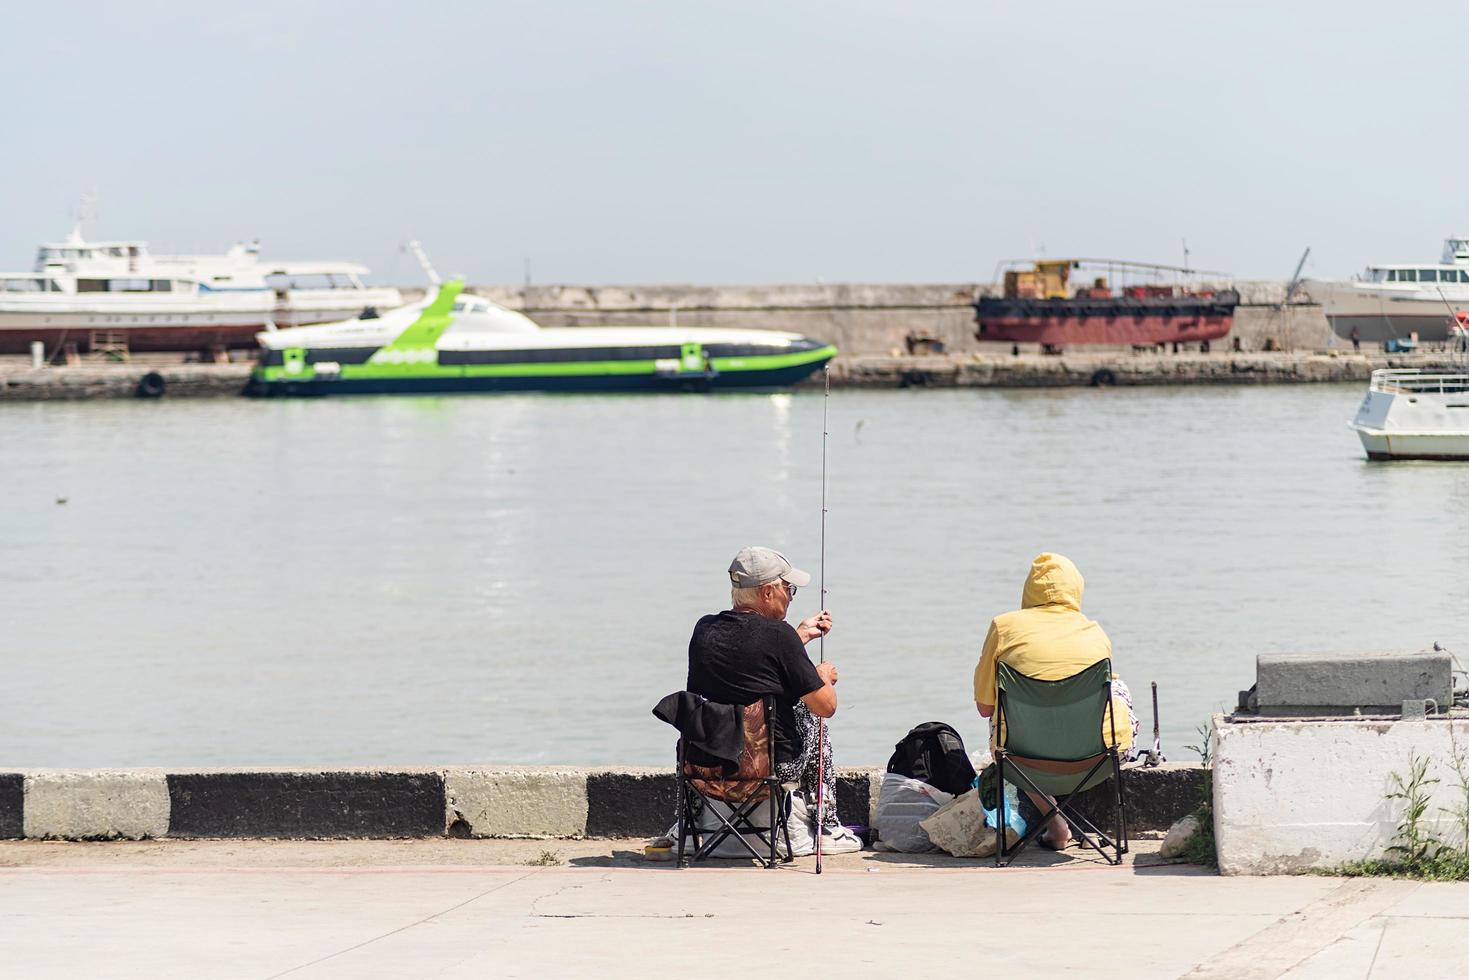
<point>662,847</point>
<point>840,840</point>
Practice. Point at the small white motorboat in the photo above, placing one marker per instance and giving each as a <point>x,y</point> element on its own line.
<point>1413,414</point>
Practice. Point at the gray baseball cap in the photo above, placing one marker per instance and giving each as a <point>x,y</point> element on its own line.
<point>754,567</point>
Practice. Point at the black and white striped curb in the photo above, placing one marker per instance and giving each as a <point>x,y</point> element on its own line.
<point>91,804</point>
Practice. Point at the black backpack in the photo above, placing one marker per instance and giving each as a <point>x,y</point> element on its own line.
<point>934,753</point>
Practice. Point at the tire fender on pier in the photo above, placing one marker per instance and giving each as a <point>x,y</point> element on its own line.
<point>151,385</point>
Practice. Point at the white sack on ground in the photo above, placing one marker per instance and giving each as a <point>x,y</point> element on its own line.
<point>902,803</point>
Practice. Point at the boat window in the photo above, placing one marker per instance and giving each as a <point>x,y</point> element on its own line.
<point>91,285</point>
<point>312,280</point>
<point>1407,275</point>
<point>130,286</point>
<point>162,286</point>
<point>24,285</point>
<point>1428,275</point>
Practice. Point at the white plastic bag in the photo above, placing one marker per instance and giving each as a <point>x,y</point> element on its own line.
<point>902,803</point>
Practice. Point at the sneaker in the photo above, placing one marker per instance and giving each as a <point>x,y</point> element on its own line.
<point>654,852</point>
<point>840,840</point>
<point>662,847</point>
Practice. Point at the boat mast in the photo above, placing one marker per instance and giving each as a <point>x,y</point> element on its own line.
<point>415,247</point>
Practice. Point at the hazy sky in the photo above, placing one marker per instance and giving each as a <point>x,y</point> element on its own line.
<point>742,142</point>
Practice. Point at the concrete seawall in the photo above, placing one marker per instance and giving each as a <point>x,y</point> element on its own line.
<point>863,318</point>
<point>141,380</point>
<point>1101,369</point>
<point>101,804</point>
<point>975,370</point>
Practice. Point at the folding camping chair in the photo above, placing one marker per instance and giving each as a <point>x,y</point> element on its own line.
<point>1051,742</point>
<point>737,799</point>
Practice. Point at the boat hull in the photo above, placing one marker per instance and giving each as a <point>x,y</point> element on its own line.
<point>1378,329</point>
<point>1387,446</point>
<point>138,337</point>
<point>1379,313</point>
<point>1061,322</point>
<point>318,376</point>
<point>167,328</point>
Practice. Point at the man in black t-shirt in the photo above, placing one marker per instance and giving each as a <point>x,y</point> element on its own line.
<point>749,651</point>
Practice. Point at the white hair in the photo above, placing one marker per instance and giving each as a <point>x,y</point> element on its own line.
<point>745,597</point>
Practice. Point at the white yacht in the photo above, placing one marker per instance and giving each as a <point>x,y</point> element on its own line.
<point>115,295</point>
<point>1392,302</point>
<point>1412,414</point>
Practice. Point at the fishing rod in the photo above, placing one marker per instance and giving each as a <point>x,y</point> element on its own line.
<point>821,639</point>
<point>1155,757</point>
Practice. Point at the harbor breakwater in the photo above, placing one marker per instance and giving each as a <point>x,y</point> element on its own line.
<point>972,370</point>
<point>99,804</point>
<point>868,318</point>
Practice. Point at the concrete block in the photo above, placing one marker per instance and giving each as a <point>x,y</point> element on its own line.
<point>856,795</point>
<point>12,804</point>
<point>1297,795</point>
<point>94,804</point>
<point>1153,799</point>
<point>631,802</point>
<point>1311,683</point>
<point>519,802</point>
<point>306,804</point>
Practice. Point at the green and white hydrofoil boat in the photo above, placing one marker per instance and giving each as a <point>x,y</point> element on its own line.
<point>452,341</point>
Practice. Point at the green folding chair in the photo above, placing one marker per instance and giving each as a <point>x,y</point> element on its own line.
<point>1052,744</point>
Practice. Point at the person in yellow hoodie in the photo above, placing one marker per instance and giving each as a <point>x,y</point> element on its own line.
<point>1049,639</point>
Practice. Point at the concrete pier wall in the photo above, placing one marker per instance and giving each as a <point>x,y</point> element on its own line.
<point>860,318</point>
<point>1292,796</point>
<point>1076,368</point>
<point>93,804</point>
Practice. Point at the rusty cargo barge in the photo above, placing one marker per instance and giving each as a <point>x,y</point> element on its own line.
<point>1040,306</point>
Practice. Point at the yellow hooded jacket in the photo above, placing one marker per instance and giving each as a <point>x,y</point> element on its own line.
<point>1048,638</point>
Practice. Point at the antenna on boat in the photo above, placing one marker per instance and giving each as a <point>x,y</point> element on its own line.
<point>86,213</point>
<point>415,247</point>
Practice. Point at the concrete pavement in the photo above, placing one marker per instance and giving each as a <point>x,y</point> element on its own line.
<point>476,908</point>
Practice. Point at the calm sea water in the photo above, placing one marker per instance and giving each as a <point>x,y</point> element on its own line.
<point>513,579</point>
